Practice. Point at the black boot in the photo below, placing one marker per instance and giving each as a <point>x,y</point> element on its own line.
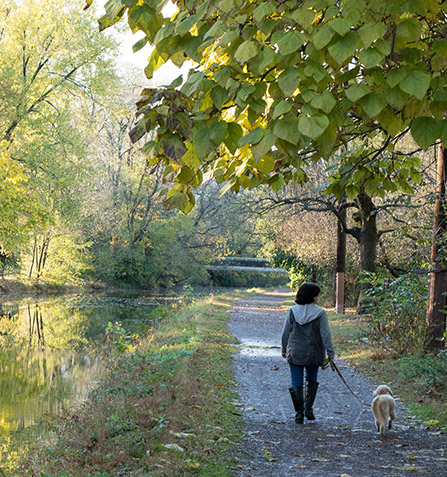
<point>311,392</point>
<point>298,403</point>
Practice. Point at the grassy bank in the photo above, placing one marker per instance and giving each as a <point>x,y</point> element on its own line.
<point>165,409</point>
<point>418,380</point>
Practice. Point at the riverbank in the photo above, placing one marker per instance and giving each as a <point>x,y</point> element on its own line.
<point>168,406</point>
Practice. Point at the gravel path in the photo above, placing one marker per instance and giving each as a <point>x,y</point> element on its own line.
<point>343,441</point>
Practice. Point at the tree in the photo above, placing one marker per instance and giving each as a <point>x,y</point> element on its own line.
<point>53,58</point>
<point>438,272</point>
<point>276,87</point>
<point>305,78</point>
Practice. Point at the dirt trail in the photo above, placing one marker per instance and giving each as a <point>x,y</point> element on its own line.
<point>343,440</point>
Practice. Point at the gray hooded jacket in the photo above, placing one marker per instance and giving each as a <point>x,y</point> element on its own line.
<point>306,335</point>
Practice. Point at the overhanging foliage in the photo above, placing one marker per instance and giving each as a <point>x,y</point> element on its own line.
<point>275,86</point>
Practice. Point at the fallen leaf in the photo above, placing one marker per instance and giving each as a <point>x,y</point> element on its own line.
<point>320,460</point>
<point>268,456</point>
<point>412,457</point>
<point>174,447</point>
<point>272,442</point>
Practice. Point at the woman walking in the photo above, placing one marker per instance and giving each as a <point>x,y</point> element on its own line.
<point>305,340</point>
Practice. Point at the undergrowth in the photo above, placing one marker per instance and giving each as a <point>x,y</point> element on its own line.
<point>165,409</point>
<point>419,380</point>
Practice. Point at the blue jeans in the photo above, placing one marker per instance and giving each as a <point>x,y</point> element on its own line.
<point>297,373</point>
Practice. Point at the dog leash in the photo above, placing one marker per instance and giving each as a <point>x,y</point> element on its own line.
<point>334,368</point>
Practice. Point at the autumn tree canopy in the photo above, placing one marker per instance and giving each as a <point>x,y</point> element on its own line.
<point>275,86</point>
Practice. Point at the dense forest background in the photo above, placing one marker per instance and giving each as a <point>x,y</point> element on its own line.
<point>81,204</point>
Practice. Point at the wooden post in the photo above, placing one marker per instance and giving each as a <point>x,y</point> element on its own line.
<point>437,286</point>
<point>341,263</point>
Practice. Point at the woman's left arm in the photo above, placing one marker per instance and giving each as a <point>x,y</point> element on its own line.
<point>325,333</point>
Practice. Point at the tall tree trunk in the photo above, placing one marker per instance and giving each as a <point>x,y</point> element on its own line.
<point>340,268</point>
<point>437,287</point>
<point>367,240</point>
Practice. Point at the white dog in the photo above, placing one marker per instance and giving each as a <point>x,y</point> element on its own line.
<point>383,408</point>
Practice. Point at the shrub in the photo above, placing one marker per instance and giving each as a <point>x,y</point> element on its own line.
<point>427,372</point>
<point>396,311</point>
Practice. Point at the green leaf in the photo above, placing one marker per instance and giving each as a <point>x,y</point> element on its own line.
<point>323,36</point>
<point>316,71</point>
<point>313,126</point>
<point>324,101</point>
<point>276,185</point>
<point>155,61</point>
<point>219,96</point>
<point>218,132</point>
<point>234,133</point>
<point>264,10</point>
<point>177,82</point>
<point>115,9</point>
<point>390,121</point>
<point>416,83</point>
<point>140,44</point>
<point>186,25</point>
<point>345,47</point>
<point>264,145</point>
<point>373,104</point>
<point>288,81</point>
<point>290,42</point>
<point>202,142</point>
<point>266,164</point>
<point>216,31</point>
<point>395,76</point>
<point>425,131</point>
<point>371,186</point>
<point>188,205</point>
<point>281,108</point>
<point>163,33</point>
<point>357,91</point>
<point>174,198</point>
<point>340,26</point>
<point>287,129</point>
<point>246,51</point>
<point>370,57</point>
<point>410,29</point>
<point>352,191</point>
<point>253,137</point>
<point>303,17</point>
<point>416,176</point>
<point>371,32</point>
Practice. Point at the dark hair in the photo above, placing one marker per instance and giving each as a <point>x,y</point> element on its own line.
<point>306,293</point>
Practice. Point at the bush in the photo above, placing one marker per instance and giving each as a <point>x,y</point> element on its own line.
<point>427,372</point>
<point>397,311</point>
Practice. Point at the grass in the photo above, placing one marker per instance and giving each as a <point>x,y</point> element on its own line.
<point>165,409</point>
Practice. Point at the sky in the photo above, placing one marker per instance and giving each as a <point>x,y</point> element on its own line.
<point>165,74</point>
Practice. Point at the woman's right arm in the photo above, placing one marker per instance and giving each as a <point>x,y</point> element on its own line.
<point>285,334</point>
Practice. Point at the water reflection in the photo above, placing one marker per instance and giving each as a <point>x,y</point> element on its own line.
<point>51,355</point>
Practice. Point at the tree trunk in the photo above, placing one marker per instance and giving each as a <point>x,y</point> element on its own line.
<point>367,240</point>
<point>437,286</point>
<point>341,263</point>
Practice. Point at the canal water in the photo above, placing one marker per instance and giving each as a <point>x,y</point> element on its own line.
<point>54,351</point>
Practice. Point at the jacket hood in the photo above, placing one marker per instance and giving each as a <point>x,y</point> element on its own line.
<point>306,313</point>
